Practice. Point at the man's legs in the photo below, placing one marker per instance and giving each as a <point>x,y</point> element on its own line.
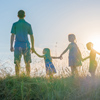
<point>27,59</point>
<point>17,59</point>
<point>28,69</point>
<point>17,68</point>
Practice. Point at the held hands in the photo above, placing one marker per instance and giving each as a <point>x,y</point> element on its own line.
<point>61,57</point>
<point>82,59</point>
<point>32,50</point>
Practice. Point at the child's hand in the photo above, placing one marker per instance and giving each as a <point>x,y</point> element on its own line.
<point>58,57</point>
<point>61,57</point>
<point>82,59</point>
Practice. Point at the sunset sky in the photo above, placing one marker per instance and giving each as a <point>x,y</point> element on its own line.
<point>52,21</point>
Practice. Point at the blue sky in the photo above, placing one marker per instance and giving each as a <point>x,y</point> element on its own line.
<point>52,21</point>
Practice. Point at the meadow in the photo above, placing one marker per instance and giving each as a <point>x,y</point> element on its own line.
<point>39,87</point>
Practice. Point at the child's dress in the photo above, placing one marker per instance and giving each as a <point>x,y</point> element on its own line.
<point>50,69</point>
<point>74,55</point>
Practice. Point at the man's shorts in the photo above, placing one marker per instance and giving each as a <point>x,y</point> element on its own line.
<point>18,52</point>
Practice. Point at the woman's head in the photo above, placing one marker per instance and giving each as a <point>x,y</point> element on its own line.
<point>46,51</point>
<point>89,45</point>
<point>71,38</point>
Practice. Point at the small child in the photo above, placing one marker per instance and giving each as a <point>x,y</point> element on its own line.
<point>92,56</point>
<point>50,69</point>
<point>74,54</point>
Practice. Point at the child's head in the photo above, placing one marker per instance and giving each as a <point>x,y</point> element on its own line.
<point>89,45</point>
<point>21,14</point>
<point>71,38</point>
<point>46,51</point>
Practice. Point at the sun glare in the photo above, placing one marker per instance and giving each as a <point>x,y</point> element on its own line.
<point>96,44</point>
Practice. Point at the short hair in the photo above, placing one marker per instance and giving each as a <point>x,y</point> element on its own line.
<point>72,36</point>
<point>21,13</point>
<point>88,45</point>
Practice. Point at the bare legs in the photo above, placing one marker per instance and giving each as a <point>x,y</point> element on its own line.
<point>17,69</point>
<point>28,69</point>
<point>93,74</point>
<point>74,70</point>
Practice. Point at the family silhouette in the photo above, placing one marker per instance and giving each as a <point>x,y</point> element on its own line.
<point>20,31</point>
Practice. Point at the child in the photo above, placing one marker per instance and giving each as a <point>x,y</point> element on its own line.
<point>74,53</point>
<point>92,56</point>
<point>50,69</point>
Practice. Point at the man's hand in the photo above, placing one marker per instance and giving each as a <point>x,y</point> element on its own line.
<point>11,49</point>
<point>32,49</point>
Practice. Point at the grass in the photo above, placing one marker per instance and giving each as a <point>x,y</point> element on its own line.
<point>41,88</point>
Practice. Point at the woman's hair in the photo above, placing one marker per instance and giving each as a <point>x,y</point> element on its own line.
<point>89,45</point>
<point>71,37</point>
<point>21,14</point>
<point>46,51</point>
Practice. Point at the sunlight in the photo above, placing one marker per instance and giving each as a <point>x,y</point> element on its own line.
<point>96,43</point>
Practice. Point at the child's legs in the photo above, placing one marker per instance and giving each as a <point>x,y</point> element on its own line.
<point>92,74</point>
<point>92,70</point>
<point>74,70</point>
<point>51,75</point>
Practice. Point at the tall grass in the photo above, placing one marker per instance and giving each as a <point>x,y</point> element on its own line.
<point>61,87</point>
<point>41,88</point>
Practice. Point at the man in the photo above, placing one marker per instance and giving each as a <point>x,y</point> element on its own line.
<point>20,31</point>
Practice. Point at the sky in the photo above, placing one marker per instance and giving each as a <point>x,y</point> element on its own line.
<point>52,21</point>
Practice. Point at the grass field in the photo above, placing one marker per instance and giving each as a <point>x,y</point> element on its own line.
<point>37,87</point>
<point>41,88</point>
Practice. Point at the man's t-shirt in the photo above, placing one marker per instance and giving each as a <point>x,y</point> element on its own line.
<point>21,29</point>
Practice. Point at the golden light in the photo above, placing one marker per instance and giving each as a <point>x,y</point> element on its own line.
<point>96,44</point>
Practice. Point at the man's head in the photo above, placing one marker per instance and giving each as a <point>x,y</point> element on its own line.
<point>21,14</point>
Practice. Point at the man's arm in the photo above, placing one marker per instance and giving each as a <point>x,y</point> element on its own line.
<point>11,42</point>
<point>41,56</point>
<point>32,42</point>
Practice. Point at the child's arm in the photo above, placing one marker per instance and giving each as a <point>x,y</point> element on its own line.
<point>98,53</point>
<point>85,58</point>
<point>64,51</point>
<point>38,54</point>
<point>55,57</point>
